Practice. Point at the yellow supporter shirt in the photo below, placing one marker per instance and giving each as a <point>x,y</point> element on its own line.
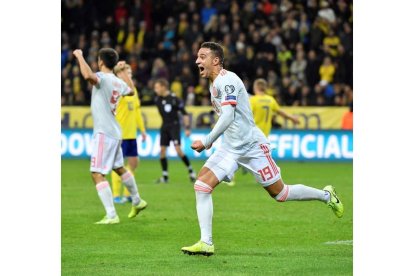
<point>129,117</point>
<point>263,108</point>
<point>332,43</point>
<point>327,73</point>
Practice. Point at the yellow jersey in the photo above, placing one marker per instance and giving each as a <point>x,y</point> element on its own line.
<point>129,117</point>
<point>327,73</point>
<point>263,108</point>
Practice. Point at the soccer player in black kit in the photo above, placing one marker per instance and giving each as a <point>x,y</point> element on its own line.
<point>169,106</point>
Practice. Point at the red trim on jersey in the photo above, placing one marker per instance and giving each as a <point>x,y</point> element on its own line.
<point>269,159</point>
<point>223,72</point>
<point>233,103</point>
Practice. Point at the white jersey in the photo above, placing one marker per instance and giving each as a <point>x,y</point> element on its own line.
<point>105,98</point>
<point>228,89</point>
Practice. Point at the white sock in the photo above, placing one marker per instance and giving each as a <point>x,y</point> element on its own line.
<point>129,181</point>
<point>105,194</point>
<point>204,210</point>
<point>301,192</point>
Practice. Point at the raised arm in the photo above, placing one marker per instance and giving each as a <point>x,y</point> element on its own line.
<point>86,71</point>
<point>122,73</point>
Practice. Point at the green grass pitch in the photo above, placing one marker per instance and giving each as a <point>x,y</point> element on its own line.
<point>253,234</point>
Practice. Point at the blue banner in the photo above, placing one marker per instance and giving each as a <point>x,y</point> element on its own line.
<point>299,145</point>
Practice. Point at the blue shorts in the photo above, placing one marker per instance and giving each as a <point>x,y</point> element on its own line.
<point>129,148</point>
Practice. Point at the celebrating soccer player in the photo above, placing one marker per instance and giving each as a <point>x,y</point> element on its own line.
<point>106,143</point>
<point>244,144</point>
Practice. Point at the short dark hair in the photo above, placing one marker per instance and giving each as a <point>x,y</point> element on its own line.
<point>216,49</point>
<point>163,82</point>
<point>109,57</point>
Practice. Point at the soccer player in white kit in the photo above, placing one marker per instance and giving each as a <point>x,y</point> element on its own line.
<point>244,144</point>
<point>106,144</point>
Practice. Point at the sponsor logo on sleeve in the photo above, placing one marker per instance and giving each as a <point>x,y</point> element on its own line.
<point>230,98</point>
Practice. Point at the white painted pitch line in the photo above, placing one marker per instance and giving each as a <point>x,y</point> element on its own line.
<point>348,242</point>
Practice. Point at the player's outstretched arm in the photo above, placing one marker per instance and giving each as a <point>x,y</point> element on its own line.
<point>86,71</point>
<point>123,75</point>
<point>288,116</point>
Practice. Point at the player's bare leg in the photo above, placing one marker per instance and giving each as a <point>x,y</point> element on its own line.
<point>204,185</point>
<point>105,195</point>
<point>186,161</point>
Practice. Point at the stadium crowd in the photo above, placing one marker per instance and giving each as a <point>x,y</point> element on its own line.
<point>303,48</point>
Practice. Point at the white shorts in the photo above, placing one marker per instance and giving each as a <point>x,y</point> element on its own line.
<point>106,154</point>
<point>257,160</point>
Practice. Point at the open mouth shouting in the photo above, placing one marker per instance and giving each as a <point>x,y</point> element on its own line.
<point>201,69</point>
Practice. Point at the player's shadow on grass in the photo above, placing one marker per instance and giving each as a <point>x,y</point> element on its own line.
<point>251,254</point>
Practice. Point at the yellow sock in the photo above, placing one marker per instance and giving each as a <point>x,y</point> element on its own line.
<point>116,184</point>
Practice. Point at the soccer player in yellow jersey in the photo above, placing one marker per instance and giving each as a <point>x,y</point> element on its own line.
<point>129,117</point>
<point>264,107</point>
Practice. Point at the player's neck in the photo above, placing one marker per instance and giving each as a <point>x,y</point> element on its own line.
<point>105,69</point>
<point>215,73</point>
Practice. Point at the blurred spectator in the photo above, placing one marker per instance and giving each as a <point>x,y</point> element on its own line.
<point>284,57</point>
<point>201,91</point>
<point>159,69</point>
<point>207,12</point>
<point>326,71</point>
<point>176,87</point>
<point>298,67</point>
<point>306,96</point>
<point>312,69</point>
<point>331,44</point>
<point>187,80</point>
<point>292,98</point>
<point>67,94</point>
<point>120,11</point>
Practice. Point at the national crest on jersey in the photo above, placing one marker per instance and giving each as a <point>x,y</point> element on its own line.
<point>229,90</point>
<point>223,91</point>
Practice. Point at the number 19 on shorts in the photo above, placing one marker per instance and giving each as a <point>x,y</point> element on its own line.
<point>266,173</point>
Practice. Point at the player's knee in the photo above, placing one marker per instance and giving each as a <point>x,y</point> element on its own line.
<point>201,187</point>
<point>97,177</point>
<point>278,190</point>
<point>282,195</point>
